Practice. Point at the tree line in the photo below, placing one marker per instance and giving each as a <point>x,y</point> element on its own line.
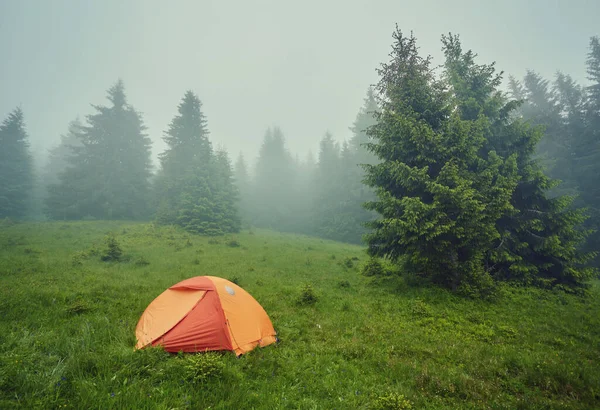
<point>448,175</point>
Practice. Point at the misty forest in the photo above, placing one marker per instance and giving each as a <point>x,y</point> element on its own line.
<point>443,253</point>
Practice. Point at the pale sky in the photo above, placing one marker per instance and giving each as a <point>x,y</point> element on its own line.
<point>302,65</point>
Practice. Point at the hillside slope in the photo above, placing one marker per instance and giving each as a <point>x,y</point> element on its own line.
<point>68,320</point>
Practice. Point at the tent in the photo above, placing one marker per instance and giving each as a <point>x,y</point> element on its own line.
<point>205,313</point>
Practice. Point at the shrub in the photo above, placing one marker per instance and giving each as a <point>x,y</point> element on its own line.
<point>348,263</point>
<point>373,267</point>
<point>307,295</point>
<point>202,367</point>
<point>344,284</point>
<point>392,401</point>
<point>233,244</point>
<point>420,309</point>
<point>141,261</point>
<point>113,250</point>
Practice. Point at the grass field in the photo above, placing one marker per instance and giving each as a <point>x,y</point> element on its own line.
<point>68,319</point>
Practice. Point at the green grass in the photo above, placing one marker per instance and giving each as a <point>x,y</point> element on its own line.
<point>347,341</point>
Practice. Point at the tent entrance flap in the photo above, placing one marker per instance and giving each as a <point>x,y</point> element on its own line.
<point>164,313</point>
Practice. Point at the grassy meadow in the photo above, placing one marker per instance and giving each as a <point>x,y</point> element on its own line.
<point>346,341</point>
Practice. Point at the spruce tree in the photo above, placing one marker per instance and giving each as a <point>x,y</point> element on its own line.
<point>539,234</point>
<point>460,198</point>
<point>542,105</point>
<point>244,186</point>
<point>59,156</point>
<point>274,194</point>
<point>16,167</point>
<point>588,149</point>
<point>185,161</point>
<point>108,175</point>
<point>195,185</point>
<point>326,216</point>
<point>227,193</point>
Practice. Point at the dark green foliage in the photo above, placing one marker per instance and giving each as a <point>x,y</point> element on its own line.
<point>108,173</point>
<point>569,148</point>
<point>234,243</point>
<point>461,200</point>
<point>588,150</point>
<point>113,251</point>
<point>16,168</point>
<point>373,267</point>
<point>195,187</point>
<point>344,284</point>
<point>307,295</point>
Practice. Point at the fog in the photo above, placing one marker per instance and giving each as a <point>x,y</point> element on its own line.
<point>302,66</point>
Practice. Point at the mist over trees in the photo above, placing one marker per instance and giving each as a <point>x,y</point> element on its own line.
<point>569,150</point>
<point>194,187</point>
<point>460,198</point>
<point>108,173</point>
<point>458,180</point>
<point>16,167</point>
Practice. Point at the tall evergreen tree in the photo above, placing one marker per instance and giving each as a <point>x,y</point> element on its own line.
<point>244,185</point>
<point>364,119</point>
<point>60,156</point>
<point>542,106</point>
<point>16,167</point>
<point>539,234</point>
<point>273,199</point>
<point>187,157</point>
<point>456,176</point>
<point>326,217</point>
<point>108,175</point>
<point>195,185</point>
<point>588,149</point>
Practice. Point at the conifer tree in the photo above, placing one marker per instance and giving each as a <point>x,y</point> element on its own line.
<point>108,175</point>
<point>195,185</point>
<point>227,193</point>
<point>460,198</point>
<point>587,150</point>
<point>539,234</point>
<point>59,156</point>
<point>16,167</point>
<point>244,185</point>
<point>273,199</point>
<point>185,161</point>
<point>328,189</point>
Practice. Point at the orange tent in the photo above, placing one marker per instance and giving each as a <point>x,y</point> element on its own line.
<point>205,313</point>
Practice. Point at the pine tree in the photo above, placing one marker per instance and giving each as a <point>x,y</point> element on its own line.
<point>326,217</point>
<point>274,195</point>
<point>108,175</point>
<point>227,193</point>
<point>587,151</point>
<point>364,119</point>
<point>539,235</point>
<point>16,167</point>
<point>59,157</point>
<point>244,186</point>
<point>195,185</point>
<point>542,106</point>
<point>460,198</point>
<point>184,162</point>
